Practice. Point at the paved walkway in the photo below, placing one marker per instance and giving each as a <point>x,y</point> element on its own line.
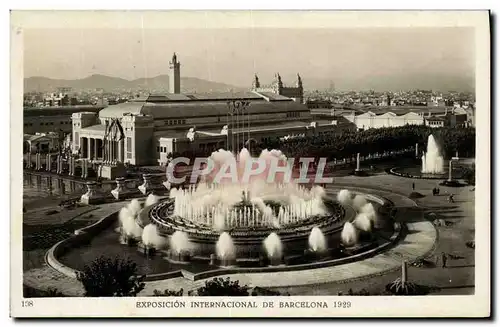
<point>46,277</point>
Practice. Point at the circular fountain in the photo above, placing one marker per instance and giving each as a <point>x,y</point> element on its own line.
<point>219,227</point>
<point>239,221</point>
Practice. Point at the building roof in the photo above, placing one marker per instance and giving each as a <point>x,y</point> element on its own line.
<point>401,110</point>
<point>188,97</point>
<point>95,128</point>
<point>270,96</point>
<point>198,108</point>
<point>435,118</point>
<point>56,111</point>
<point>118,110</point>
<point>36,137</point>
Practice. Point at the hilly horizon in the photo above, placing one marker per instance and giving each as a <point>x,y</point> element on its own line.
<point>158,83</point>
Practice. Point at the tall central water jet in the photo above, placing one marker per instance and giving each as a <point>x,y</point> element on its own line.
<point>317,241</point>
<point>432,160</point>
<point>248,200</point>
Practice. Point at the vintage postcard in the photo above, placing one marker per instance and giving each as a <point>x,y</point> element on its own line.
<point>250,164</point>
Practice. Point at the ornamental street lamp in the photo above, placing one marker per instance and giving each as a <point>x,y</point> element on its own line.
<point>236,114</point>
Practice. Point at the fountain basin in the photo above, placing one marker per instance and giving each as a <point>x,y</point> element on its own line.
<point>416,173</point>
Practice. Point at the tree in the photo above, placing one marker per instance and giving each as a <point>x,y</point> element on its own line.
<point>371,141</point>
<point>214,287</point>
<point>223,287</point>
<point>111,277</point>
<point>168,293</point>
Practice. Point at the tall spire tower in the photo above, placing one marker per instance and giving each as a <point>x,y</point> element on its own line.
<point>175,75</point>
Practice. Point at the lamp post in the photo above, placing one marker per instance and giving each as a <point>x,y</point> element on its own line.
<point>450,168</point>
<point>237,108</point>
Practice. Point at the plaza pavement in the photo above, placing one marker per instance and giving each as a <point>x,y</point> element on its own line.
<point>45,277</point>
<point>422,241</point>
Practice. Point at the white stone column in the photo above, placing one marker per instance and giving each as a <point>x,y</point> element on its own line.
<point>120,151</point>
<point>106,146</point>
<point>112,151</point>
<point>111,155</point>
<point>89,148</point>
<point>95,148</point>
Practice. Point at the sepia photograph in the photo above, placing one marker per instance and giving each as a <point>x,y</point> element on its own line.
<point>229,163</point>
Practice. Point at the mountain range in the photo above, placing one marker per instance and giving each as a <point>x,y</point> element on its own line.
<point>109,84</point>
<point>430,81</point>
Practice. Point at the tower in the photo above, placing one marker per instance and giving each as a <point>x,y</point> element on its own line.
<point>278,84</point>
<point>300,90</point>
<point>256,83</point>
<point>175,75</point>
<point>299,82</point>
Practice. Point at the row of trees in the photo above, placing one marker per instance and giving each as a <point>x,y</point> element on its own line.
<point>214,287</point>
<point>106,277</point>
<point>371,141</point>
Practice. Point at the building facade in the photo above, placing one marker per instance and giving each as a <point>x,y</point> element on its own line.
<point>445,117</point>
<point>150,130</point>
<point>370,119</point>
<point>295,93</point>
<point>56,119</point>
<point>157,127</point>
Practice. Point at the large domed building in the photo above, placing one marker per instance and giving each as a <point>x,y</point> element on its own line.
<point>146,131</point>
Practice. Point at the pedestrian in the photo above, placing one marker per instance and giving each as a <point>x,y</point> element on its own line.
<point>437,191</point>
<point>444,258</point>
<point>413,186</point>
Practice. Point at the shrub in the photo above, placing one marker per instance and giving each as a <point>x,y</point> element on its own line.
<point>398,287</point>
<point>415,195</point>
<point>29,292</point>
<point>107,277</point>
<point>168,293</point>
<point>470,176</point>
<point>222,287</point>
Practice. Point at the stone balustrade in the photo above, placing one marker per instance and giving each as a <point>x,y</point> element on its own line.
<point>120,192</point>
<point>150,184</point>
<point>91,196</point>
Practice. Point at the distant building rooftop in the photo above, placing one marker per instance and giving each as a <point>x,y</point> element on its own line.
<point>54,111</point>
<point>95,128</point>
<point>199,105</point>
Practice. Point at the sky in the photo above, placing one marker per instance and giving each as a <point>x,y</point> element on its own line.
<point>345,56</point>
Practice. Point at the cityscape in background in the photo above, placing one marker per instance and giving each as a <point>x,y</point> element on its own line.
<point>61,96</point>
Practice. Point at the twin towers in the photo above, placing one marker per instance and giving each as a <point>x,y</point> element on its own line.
<point>277,87</point>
